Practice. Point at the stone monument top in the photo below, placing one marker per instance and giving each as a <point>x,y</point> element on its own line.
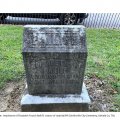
<point>54,38</point>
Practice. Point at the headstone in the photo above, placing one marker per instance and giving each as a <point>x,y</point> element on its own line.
<point>54,59</point>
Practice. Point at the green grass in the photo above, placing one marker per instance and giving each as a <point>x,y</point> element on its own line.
<point>103,59</point>
<point>11,67</point>
<point>104,54</point>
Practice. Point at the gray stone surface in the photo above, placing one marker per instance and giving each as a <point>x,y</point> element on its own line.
<point>56,102</point>
<point>64,107</point>
<point>54,59</point>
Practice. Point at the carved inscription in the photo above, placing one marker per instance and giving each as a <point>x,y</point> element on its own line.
<point>54,71</point>
<point>54,59</point>
<point>42,40</point>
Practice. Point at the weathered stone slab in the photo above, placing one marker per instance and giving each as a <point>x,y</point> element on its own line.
<point>56,103</point>
<point>54,59</point>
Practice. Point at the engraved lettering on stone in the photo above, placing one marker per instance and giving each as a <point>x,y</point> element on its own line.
<point>52,62</point>
<point>38,39</point>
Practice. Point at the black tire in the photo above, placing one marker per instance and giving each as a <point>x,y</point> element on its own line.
<point>81,20</point>
<point>82,17</point>
<point>2,17</point>
<point>68,19</point>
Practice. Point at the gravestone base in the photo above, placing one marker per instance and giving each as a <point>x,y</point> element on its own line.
<point>56,102</point>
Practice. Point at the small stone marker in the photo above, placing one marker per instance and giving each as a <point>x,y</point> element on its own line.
<point>54,59</point>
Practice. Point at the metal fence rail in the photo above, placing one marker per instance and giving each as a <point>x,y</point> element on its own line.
<point>94,20</point>
<point>103,20</point>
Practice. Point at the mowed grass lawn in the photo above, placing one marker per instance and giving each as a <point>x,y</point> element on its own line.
<point>103,59</point>
<point>11,67</point>
<point>104,55</point>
